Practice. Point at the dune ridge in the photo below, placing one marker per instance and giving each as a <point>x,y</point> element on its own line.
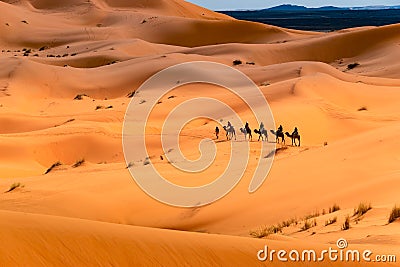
<point>67,72</point>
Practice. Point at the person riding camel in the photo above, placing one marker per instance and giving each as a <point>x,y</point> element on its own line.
<point>295,132</point>
<point>262,127</point>
<point>247,127</point>
<point>280,129</point>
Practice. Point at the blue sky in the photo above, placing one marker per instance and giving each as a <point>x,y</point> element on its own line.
<point>250,4</point>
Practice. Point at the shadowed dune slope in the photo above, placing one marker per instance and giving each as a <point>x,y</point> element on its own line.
<point>69,70</point>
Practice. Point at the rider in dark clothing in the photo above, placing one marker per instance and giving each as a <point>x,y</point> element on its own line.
<point>261,127</point>
<point>280,129</point>
<point>295,132</point>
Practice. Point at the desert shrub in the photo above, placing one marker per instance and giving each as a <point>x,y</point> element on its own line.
<point>314,223</point>
<point>130,165</point>
<point>289,222</point>
<point>307,225</point>
<point>259,233</point>
<point>353,65</point>
<point>312,215</point>
<point>78,163</point>
<point>395,214</point>
<point>274,229</point>
<point>362,209</point>
<point>237,62</point>
<point>14,186</point>
<point>53,166</point>
<point>331,221</point>
<point>80,96</point>
<point>146,161</point>
<point>363,109</point>
<point>346,224</point>
<point>131,94</point>
<point>334,208</point>
<point>266,230</point>
<point>265,84</point>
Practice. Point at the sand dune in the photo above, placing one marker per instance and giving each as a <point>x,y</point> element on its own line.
<point>66,71</point>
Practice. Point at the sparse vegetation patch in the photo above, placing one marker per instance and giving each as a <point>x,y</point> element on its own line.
<point>331,221</point>
<point>14,186</point>
<point>334,208</point>
<point>78,163</point>
<point>346,224</point>
<point>395,214</point>
<point>362,209</point>
<point>353,65</point>
<point>53,166</point>
<point>237,62</point>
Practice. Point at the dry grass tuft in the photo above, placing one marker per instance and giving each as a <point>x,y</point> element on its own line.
<point>14,186</point>
<point>78,163</point>
<point>331,221</point>
<point>53,166</point>
<point>395,214</point>
<point>334,208</point>
<point>346,224</point>
<point>362,209</point>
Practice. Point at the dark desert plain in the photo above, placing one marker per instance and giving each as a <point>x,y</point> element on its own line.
<point>67,69</point>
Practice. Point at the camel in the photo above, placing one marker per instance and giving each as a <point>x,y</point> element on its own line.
<point>279,134</point>
<point>245,132</point>
<point>293,137</point>
<point>261,134</point>
<point>230,132</point>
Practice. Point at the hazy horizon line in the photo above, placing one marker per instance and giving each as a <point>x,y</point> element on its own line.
<point>338,6</point>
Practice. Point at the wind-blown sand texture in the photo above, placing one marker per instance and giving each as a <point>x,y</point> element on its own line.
<point>103,50</point>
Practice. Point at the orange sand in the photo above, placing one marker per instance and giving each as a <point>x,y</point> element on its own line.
<point>96,215</point>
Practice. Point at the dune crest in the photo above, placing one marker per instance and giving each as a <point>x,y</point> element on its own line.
<point>68,71</point>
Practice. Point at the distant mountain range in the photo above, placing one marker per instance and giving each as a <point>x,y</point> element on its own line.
<point>288,7</point>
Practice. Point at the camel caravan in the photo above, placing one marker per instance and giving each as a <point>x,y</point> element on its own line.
<point>262,133</point>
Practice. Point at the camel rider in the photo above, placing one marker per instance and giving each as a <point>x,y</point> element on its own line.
<point>229,124</point>
<point>246,127</point>
<point>280,129</point>
<point>261,127</point>
<point>295,132</point>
